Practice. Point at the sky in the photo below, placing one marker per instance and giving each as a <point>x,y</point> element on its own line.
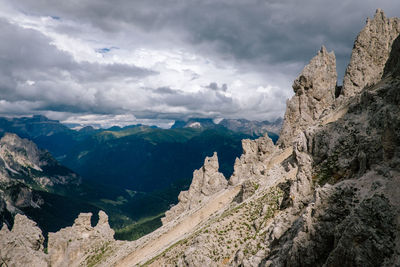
<point>101,62</point>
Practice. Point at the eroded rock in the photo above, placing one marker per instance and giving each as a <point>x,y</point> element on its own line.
<point>253,161</point>
<point>206,181</point>
<point>71,246</point>
<point>23,245</point>
<point>370,53</point>
<point>314,95</point>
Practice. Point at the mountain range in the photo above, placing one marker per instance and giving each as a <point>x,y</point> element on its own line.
<point>134,173</point>
<point>325,194</point>
<point>251,128</point>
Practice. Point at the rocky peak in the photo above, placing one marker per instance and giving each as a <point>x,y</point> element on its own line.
<point>71,245</point>
<point>253,161</point>
<point>23,245</point>
<point>206,181</point>
<point>370,53</point>
<point>314,94</point>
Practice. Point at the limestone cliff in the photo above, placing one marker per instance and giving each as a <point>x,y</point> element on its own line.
<point>370,53</point>
<point>206,181</point>
<point>253,161</point>
<point>314,94</point>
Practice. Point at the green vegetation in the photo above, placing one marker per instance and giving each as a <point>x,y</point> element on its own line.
<point>133,173</point>
<point>98,255</point>
<point>139,229</point>
<point>147,159</point>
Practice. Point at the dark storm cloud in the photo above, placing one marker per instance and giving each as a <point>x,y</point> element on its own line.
<point>258,32</point>
<point>262,38</point>
<point>164,91</point>
<point>35,71</point>
<point>214,86</point>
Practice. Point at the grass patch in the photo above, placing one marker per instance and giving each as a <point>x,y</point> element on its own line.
<point>139,229</point>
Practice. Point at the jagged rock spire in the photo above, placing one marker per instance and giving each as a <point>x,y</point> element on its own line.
<point>314,93</point>
<point>252,162</point>
<point>370,52</point>
<point>23,245</point>
<point>71,245</point>
<point>206,181</point>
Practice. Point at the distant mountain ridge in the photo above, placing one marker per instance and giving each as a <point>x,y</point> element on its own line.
<point>133,172</point>
<point>31,127</point>
<point>251,128</point>
<point>254,128</point>
<point>194,123</point>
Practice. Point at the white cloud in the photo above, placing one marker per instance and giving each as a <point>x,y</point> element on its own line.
<point>74,61</point>
<point>82,84</point>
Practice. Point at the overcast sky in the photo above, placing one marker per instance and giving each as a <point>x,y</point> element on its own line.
<point>122,62</point>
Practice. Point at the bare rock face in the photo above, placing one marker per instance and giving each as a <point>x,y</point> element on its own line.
<point>392,66</point>
<point>18,153</point>
<point>370,53</point>
<point>253,160</point>
<point>72,245</point>
<point>206,181</point>
<point>314,94</point>
<point>23,245</point>
<point>22,167</point>
<point>19,158</point>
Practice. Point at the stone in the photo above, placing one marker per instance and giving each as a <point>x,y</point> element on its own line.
<point>23,245</point>
<point>206,181</point>
<point>314,95</point>
<point>370,53</point>
<point>253,161</point>
<point>342,206</point>
<point>73,245</point>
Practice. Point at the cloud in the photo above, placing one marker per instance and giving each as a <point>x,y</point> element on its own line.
<point>214,86</point>
<point>34,70</point>
<point>167,60</point>
<point>261,32</point>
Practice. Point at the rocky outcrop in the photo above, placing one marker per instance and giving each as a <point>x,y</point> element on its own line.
<point>72,245</point>
<point>253,161</point>
<point>314,95</point>
<point>23,245</point>
<point>340,208</point>
<point>370,53</point>
<point>206,181</point>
